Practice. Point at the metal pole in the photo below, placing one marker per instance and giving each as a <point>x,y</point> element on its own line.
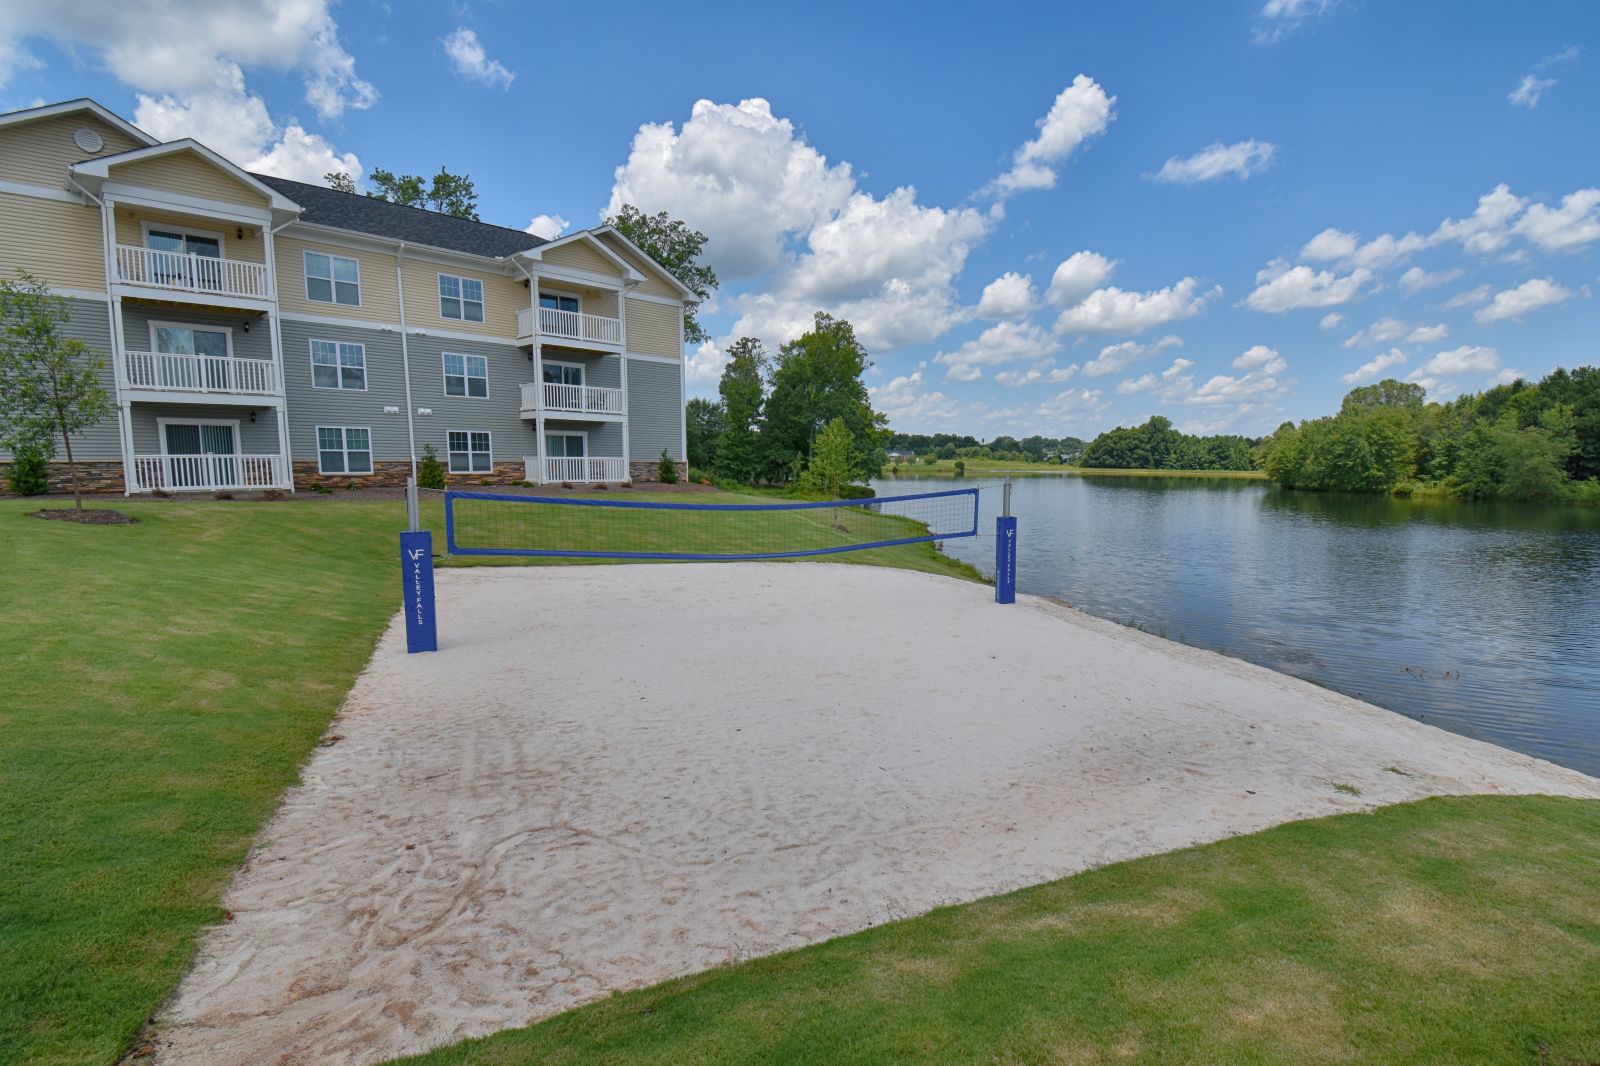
<point>1005,509</point>
<point>413,511</point>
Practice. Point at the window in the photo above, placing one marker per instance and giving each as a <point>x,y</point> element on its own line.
<point>344,450</point>
<point>556,302</point>
<point>184,242</point>
<point>460,298</point>
<point>337,365</point>
<point>565,445</point>
<point>333,279</point>
<point>563,373</point>
<point>465,375</point>
<point>469,451</point>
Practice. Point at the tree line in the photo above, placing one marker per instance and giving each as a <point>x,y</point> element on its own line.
<point>928,447</point>
<point>801,416</point>
<point>1157,446</point>
<point>1520,441</point>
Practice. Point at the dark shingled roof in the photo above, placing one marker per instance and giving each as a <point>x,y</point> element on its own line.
<point>366,214</point>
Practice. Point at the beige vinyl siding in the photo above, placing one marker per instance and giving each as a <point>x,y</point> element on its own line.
<point>39,153</point>
<point>380,300</point>
<point>187,173</point>
<point>252,249</point>
<point>653,283</point>
<point>54,240</point>
<point>580,255</point>
<point>653,329</point>
<point>502,297</point>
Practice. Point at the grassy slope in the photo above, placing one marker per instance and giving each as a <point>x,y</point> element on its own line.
<point>990,467</point>
<point>1446,931</point>
<point>164,682</point>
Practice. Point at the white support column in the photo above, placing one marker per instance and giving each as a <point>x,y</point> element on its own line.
<point>119,355</point>
<point>282,407</point>
<point>627,455</point>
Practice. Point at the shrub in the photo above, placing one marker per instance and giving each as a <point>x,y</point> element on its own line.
<point>430,471</point>
<point>29,473</point>
<point>668,470</point>
<point>856,492</point>
<point>961,468</point>
<point>320,488</point>
<point>698,476</point>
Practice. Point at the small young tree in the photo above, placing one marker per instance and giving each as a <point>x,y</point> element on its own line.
<point>833,460</point>
<point>430,471</point>
<point>49,383</point>
<point>667,470</point>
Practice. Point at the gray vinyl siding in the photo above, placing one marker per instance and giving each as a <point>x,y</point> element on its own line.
<point>312,407</point>
<point>91,324</point>
<point>136,319</point>
<point>500,412</point>
<point>599,370</point>
<point>255,438</point>
<point>605,438</point>
<point>655,410</point>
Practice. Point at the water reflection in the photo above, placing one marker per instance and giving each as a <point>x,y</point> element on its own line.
<point>1481,618</point>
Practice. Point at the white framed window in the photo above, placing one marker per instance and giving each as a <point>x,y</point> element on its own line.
<point>557,301</point>
<point>568,444</point>
<point>338,365</point>
<point>469,451</point>
<point>562,373</point>
<point>344,450</point>
<point>466,375</point>
<point>182,338</point>
<point>333,279</point>
<point>160,237</point>
<point>460,298</point>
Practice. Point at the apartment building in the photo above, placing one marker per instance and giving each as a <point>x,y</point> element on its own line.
<point>264,333</point>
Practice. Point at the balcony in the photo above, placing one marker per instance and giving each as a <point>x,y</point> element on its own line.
<point>208,473</point>
<point>202,374</point>
<point>570,326</point>
<point>583,469</point>
<point>571,399</point>
<point>197,274</point>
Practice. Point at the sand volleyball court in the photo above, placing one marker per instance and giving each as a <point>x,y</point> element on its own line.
<point>611,775</point>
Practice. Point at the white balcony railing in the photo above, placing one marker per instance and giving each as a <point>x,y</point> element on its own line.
<point>182,272</point>
<point>201,373</point>
<point>576,399</point>
<point>570,325</point>
<point>587,469</point>
<point>201,473</point>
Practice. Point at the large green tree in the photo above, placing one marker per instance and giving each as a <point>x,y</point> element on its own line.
<point>743,389</point>
<point>673,244</point>
<point>703,421</point>
<point>816,378</point>
<point>50,383</point>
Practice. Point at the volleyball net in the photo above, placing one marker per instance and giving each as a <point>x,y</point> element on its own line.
<point>486,523</point>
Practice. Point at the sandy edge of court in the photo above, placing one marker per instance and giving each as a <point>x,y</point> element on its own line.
<point>727,760</point>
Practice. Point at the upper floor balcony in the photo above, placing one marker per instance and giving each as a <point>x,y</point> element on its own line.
<point>215,377</point>
<point>556,397</point>
<point>188,272</point>
<point>562,325</point>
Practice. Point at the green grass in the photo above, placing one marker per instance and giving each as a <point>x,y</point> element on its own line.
<point>1445,931</point>
<point>164,682</point>
<point>984,468</point>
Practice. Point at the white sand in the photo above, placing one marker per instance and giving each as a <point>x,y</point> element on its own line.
<point>613,775</point>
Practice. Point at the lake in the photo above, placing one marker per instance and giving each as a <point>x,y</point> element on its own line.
<point>1481,618</point>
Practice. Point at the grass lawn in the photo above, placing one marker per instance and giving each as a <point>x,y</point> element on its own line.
<point>946,468</point>
<point>1445,931</point>
<point>164,683</point>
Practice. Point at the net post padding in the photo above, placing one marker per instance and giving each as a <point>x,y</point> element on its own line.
<point>488,523</point>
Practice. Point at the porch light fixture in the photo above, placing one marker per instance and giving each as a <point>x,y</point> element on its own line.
<point>241,233</point>
<point>252,416</point>
<point>246,326</point>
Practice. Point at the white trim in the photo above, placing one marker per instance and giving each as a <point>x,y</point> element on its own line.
<point>447,451</point>
<point>161,432</point>
<point>653,358</point>
<point>154,324</point>
<point>344,448</point>
<point>187,231</point>
<point>652,298</point>
<point>625,268</point>
<point>444,376</point>
<point>379,326</point>
<point>372,242</point>
<point>72,107</point>
<point>183,203</point>
<point>483,301</point>
<point>548,433</point>
<point>671,279</point>
<point>333,283</point>
<point>336,320</point>
<point>42,192</point>
<point>311,357</point>
<point>574,276</point>
<point>683,402</point>
<point>578,296</point>
<point>100,166</point>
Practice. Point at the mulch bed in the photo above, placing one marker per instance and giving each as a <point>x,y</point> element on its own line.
<point>88,518</point>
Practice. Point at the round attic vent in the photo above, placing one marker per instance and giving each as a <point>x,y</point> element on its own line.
<point>88,140</point>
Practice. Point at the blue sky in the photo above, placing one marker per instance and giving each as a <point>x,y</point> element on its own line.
<point>1390,190</point>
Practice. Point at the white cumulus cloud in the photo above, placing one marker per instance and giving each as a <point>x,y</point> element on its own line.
<point>1260,357</point>
<point>1416,279</point>
<point>1239,160</point>
<point>1116,357</point>
<point>1534,84</point>
<point>1529,296</point>
<point>1004,342</point>
<point>911,406</point>
<point>1373,369</point>
<point>1331,320</point>
<point>1082,110</point>
<point>1078,275</point>
<point>547,226</point>
<point>1435,374</point>
<point>1573,225</point>
<point>1281,287</point>
<point>1008,296</point>
<point>472,62</point>
<point>1114,310</point>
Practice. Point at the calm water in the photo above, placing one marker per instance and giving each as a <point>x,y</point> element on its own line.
<point>1480,618</point>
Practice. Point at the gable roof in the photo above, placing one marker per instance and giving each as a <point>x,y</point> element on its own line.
<point>670,278</point>
<point>100,167</point>
<point>380,218</point>
<point>68,107</point>
<point>588,237</point>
